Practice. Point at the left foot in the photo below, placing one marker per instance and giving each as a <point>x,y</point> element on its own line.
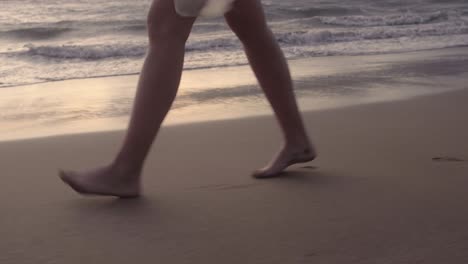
<point>288,156</point>
<point>103,181</point>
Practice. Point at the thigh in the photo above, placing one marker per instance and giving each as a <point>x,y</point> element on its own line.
<point>246,17</point>
<point>163,19</point>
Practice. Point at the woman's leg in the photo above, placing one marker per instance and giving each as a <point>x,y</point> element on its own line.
<point>157,88</point>
<point>247,20</point>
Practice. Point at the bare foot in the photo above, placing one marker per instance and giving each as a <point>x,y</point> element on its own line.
<point>105,181</point>
<point>287,156</point>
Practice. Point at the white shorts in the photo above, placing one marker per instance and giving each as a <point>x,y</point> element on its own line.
<point>205,8</point>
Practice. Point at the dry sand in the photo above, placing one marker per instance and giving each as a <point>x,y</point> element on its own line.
<point>375,195</point>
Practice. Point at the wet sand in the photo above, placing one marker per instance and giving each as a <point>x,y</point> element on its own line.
<point>389,186</point>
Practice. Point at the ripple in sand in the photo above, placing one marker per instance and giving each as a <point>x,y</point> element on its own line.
<point>448,159</point>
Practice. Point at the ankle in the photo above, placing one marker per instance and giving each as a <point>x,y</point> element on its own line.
<point>298,143</point>
<point>126,169</point>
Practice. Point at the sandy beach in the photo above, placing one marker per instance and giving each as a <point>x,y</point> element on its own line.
<point>389,186</point>
<point>381,85</point>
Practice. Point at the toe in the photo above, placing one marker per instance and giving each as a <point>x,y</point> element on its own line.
<point>263,174</point>
<point>66,177</point>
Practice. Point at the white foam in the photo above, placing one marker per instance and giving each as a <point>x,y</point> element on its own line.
<point>386,20</point>
<point>103,50</point>
<point>87,52</point>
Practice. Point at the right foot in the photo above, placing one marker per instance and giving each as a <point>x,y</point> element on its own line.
<point>287,156</point>
<point>105,181</point>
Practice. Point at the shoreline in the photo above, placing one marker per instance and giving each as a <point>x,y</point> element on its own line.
<point>242,65</point>
<point>180,125</point>
<point>104,104</point>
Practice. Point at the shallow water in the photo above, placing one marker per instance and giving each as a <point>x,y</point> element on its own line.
<point>101,104</point>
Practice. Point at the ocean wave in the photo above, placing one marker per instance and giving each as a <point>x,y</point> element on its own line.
<point>90,52</point>
<point>372,33</point>
<point>223,43</point>
<point>43,31</point>
<point>135,27</point>
<point>100,52</point>
<point>229,43</point>
<point>408,18</point>
<point>317,11</point>
<point>37,33</point>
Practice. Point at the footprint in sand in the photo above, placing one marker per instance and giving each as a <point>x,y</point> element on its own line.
<point>310,167</point>
<point>448,159</point>
<point>225,186</point>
